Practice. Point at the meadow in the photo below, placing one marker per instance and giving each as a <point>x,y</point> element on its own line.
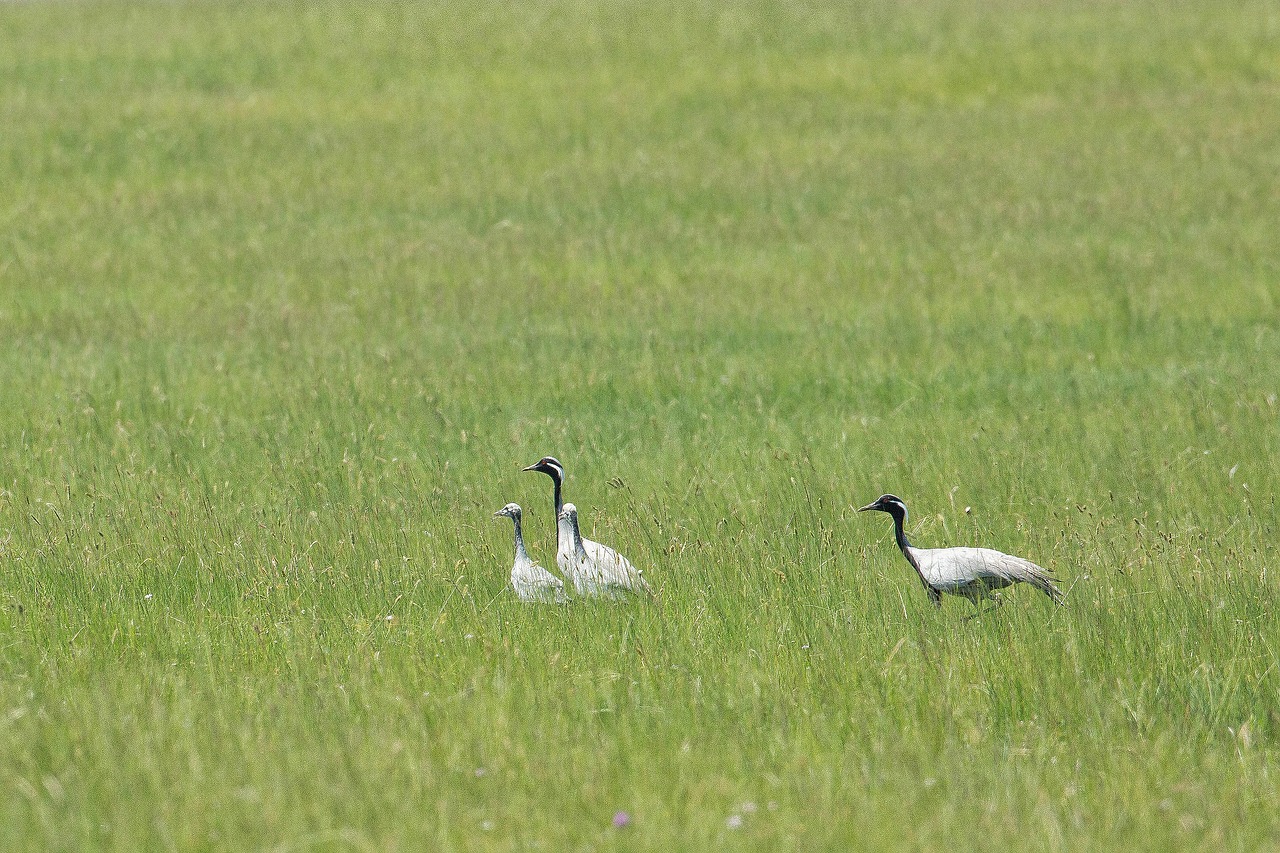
<point>289,293</point>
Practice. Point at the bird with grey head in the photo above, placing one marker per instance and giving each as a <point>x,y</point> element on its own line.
<point>598,570</point>
<point>530,581</point>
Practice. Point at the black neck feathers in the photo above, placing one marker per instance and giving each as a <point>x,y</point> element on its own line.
<point>899,514</point>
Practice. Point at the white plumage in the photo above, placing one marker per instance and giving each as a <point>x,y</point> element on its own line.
<point>530,581</point>
<point>595,569</point>
<point>971,573</point>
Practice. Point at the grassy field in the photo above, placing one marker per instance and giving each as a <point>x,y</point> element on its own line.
<point>289,293</point>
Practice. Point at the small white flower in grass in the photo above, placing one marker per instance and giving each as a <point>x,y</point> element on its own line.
<point>748,807</point>
<point>486,825</point>
<point>480,771</point>
<point>734,821</point>
<point>146,597</point>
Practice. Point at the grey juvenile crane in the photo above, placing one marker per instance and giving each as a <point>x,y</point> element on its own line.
<point>530,581</point>
<point>972,573</point>
<point>598,570</point>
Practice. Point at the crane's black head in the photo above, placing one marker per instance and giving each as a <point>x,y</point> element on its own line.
<point>550,466</point>
<point>891,504</point>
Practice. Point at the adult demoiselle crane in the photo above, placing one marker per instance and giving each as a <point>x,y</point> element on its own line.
<point>972,573</point>
<point>530,581</point>
<point>598,569</point>
<point>551,466</point>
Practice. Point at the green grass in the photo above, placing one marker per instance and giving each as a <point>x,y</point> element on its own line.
<point>290,292</point>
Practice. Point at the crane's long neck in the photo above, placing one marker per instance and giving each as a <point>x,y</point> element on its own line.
<point>565,536</point>
<point>575,536</point>
<point>521,553</point>
<point>900,534</point>
<point>564,542</point>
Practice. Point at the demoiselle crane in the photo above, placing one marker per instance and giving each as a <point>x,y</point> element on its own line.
<point>551,466</point>
<point>972,573</point>
<point>598,569</point>
<point>530,581</point>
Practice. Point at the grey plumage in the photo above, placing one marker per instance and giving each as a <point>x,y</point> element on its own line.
<point>530,581</point>
<point>972,573</point>
<point>598,570</point>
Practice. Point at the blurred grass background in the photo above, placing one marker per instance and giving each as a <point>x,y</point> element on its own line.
<point>290,292</point>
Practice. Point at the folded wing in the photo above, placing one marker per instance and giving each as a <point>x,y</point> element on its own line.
<point>953,568</point>
<point>614,571</point>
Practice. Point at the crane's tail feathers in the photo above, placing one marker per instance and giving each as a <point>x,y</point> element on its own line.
<point>1016,569</point>
<point>1043,581</point>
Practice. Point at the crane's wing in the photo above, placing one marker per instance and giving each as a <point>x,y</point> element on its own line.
<point>955,567</point>
<point>615,570</point>
<point>538,583</point>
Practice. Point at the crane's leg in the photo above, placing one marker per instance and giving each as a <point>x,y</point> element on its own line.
<point>997,601</point>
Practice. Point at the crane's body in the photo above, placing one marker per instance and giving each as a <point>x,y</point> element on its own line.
<point>530,581</point>
<point>599,570</point>
<point>972,573</point>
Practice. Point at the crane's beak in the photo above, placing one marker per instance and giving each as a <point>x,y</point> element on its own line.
<point>498,514</point>
<point>533,467</point>
<point>872,505</point>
